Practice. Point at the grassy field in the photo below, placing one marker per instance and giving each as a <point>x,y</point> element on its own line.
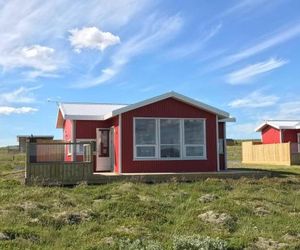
<point>235,214</point>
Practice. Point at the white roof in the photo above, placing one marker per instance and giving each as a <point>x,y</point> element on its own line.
<point>280,124</point>
<point>88,111</point>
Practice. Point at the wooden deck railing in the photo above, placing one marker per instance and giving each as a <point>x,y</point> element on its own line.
<point>273,154</point>
<point>50,163</point>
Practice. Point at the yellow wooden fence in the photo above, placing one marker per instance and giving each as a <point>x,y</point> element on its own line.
<point>273,154</point>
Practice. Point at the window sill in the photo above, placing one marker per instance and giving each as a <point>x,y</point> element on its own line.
<point>170,159</point>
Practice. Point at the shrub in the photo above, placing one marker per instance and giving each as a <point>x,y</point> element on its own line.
<point>197,242</point>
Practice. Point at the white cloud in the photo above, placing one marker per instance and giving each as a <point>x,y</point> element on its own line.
<point>37,57</point>
<point>20,95</point>
<point>155,32</point>
<point>272,40</point>
<point>196,46</point>
<point>288,110</point>
<point>247,74</point>
<point>21,24</point>
<point>6,110</point>
<point>92,38</point>
<point>255,99</point>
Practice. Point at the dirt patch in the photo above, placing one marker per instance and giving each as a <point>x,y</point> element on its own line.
<point>109,241</point>
<point>67,218</point>
<point>208,198</point>
<point>220,219</point>
<point>127,230</point>
<point>4,236</point>
<point>73,217</point>
<point>261,211</point>
<point>215,218</point>
<point>291,237</point>
<point>263,244</point>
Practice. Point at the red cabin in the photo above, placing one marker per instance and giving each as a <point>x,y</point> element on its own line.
<point>167,133</point>
<point>280,131</point>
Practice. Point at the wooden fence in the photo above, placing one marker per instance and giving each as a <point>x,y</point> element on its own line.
<point>46,164</point>
<point>273,154</point>
<point>58,173</point>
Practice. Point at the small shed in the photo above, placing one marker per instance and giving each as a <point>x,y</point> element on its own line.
<point>280,131</point>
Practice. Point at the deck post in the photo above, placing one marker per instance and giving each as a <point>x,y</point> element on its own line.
<point>27,160</point>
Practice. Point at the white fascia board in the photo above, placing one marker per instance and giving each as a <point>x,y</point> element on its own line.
<point>230,119</point>
<point>60,108</point>
<point>175,96</point>
<point>84,117</point>
<point>260,127</point>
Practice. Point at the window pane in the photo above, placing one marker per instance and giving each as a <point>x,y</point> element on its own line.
<point>145,131</point>
<point>169,131</point>
<point>79,150</point>
<point>147,151</point>
<point>170,151</point>
<point>193,132</point>
<point>194,151</point>
<point>221,146</point>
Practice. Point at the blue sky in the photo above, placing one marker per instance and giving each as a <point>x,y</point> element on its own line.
<point>242,56</point>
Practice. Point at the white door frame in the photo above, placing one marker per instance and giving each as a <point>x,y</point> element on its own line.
<point>104,163</point>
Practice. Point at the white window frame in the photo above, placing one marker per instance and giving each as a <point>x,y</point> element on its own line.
<point>195,145</point>
<point>182,145</point>
<point>145,145</point>
<point>85,140</point>
<point>69,148</point>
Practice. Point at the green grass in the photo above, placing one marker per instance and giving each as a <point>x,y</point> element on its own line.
<point>106,216</point>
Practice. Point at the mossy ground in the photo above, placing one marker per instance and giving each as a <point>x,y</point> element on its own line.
<point>99,217</point>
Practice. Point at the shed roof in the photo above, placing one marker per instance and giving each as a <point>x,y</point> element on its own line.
<point>279,124</point>
<point>100,111</point>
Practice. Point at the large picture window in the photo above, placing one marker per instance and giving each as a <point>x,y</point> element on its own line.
<point>145,138</point>
<point>168,138</point>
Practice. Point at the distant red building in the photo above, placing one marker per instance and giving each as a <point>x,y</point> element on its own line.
<point>280,131</point>
<point>167,133</point>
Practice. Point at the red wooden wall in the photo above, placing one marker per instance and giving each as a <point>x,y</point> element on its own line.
<point>173,109</point>
<point>87,130</point>
<point>290,135</point>
<point>67,137</point>
<point>270,135</point>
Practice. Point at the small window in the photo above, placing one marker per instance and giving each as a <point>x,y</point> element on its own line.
<point>79,149</point>
<point>221,146</point>
<point>145,138</point>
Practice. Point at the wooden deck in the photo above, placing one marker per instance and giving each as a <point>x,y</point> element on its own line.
<point>63,174</point>
<point>50,172</point>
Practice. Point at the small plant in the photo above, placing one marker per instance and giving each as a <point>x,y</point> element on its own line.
<point>197,242</point>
